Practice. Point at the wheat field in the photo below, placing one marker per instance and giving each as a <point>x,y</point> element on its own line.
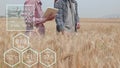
<point>95,45</point>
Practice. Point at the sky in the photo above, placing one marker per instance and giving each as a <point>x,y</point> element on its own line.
<point>86,8</point>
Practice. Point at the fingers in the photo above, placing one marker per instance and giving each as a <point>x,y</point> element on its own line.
<point>51,17</point>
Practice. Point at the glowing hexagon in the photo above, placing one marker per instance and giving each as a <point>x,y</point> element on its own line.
<point>20,42</point>
<point>12,57</point>
<point>30,57</point>
<point>48,57</point>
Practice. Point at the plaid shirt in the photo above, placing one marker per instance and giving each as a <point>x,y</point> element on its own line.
<point>33,15</point>
<point>33,11</point>
<point>61,15</point>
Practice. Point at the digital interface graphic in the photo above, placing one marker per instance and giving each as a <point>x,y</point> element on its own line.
<point>59,34</point>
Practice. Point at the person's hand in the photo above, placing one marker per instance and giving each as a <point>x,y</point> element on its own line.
<point>78,26</point>
<point>51,17</point>
<point>39,21</point>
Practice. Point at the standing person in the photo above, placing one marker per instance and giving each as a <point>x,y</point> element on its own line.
<point>33,16</point>
<point>67,22</point>
<point>67,19</point>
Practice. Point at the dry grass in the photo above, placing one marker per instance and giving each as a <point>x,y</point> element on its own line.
<point>96,45</point>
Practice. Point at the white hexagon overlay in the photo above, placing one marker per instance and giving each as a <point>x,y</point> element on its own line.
<point>30,58</point>
<point>20,42</point>
<point>47,57</point>
<point>12,57</point>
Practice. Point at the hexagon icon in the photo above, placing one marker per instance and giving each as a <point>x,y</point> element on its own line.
<point>20,42</point>
<point>30,57</point>
<point>12,57</point>
<point>48,57</point>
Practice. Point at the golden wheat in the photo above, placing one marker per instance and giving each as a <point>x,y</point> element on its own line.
<point>96,45</point>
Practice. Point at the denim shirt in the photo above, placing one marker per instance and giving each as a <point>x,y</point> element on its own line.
<point>61,15</point>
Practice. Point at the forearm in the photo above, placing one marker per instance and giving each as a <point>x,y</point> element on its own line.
<point>59,22</point>
<point>39,20</point>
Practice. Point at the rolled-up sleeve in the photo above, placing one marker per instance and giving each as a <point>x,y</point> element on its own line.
<point>59,16</point>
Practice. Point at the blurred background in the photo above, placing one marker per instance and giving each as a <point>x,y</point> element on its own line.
<point>87,8</point>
